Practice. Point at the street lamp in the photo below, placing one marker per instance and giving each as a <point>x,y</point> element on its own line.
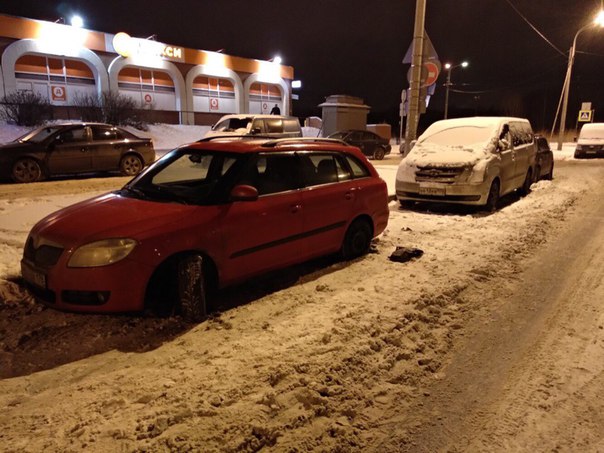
<point>599,21</point>
<point>449,68</point>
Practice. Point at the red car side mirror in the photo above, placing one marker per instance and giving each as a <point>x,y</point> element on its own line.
<point>244,192</point>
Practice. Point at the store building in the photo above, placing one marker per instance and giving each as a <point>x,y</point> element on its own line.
<point>175,84</point>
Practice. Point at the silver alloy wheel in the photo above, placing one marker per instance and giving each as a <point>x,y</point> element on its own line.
<point>27,170</point>
<point>131,165</point>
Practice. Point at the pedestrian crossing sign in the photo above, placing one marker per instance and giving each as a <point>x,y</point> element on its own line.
<point>585,116</point>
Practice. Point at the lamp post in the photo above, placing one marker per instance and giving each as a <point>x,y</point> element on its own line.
<point>450,68</point>
<point>599,20</point>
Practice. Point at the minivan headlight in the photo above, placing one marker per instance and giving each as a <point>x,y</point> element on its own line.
<point>406,172</point>
<point>102,253</point>
<point>478,172</point>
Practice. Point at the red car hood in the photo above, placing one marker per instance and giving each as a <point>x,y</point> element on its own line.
<point>109,216</point>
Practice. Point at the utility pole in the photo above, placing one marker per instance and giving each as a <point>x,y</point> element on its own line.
<point>416,73</point>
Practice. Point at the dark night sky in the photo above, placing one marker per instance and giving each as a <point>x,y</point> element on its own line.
<point>356,47</point>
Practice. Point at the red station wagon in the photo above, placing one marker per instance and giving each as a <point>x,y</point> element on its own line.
<point>205,216</point>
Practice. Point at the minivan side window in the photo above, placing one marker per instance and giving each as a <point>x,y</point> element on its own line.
<point>516,134</point>
<point>521,133</point>
<point>274,125</point>
<point>291,125</point>
<point>259,124</point>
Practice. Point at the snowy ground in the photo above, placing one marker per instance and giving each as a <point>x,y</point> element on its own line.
<point>322,357</point>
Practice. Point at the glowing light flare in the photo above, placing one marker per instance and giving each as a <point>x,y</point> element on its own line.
<point>269,72</point>
<point>216,64</point>
<point>60,39</point>
<point>77,21</point>
<point>599,20</point>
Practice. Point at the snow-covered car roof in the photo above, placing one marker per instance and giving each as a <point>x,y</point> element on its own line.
<point>592,131</point>
<point>476,121</point>
<point>453,143</point>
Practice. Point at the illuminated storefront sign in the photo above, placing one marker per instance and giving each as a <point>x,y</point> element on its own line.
<point>127,46</point>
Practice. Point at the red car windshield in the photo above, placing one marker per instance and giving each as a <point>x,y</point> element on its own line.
<point>186,176</point>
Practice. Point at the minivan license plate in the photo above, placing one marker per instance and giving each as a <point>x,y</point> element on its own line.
<point>431,191</point>
<point>33,276</point>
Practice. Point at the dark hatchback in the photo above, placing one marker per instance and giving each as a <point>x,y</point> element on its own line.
<point>72,149</point>
<point>544,160</point>
<point>372,145</point>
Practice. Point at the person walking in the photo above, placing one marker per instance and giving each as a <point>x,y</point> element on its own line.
<point>276,110</point>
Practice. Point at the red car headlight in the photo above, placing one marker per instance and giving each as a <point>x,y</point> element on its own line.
<point>102,253</point>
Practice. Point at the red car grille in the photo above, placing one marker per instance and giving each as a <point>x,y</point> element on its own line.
<point>43,256</point>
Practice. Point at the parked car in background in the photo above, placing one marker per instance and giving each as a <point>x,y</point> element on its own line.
<point>74,148</point>
<point>471,161</point>
<point>371,144</point>
<point>204,216</point>
<point>544,161</point>
<point>271,126</point>
<point>591,141</point>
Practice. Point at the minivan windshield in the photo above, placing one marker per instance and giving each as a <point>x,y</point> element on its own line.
<point>460,136</point>
<point>232,124</point>
<point>186,176</point>
<point>39,135</point>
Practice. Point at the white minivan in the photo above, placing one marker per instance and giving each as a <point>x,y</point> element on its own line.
<point>471,161</point>
<point>591,141</point>
<point>273,126</point>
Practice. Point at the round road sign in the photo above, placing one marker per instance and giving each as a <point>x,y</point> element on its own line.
<point>431,72</point>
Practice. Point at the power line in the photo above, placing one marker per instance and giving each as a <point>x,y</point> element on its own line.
<point>535,29</point>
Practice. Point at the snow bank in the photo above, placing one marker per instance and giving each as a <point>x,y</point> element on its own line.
<point>325,359</point>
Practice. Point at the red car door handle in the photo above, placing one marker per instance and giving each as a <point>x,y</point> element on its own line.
<point>295,208</point>
<point>83,150</point>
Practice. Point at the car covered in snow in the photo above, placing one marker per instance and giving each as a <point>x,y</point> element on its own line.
<point>472,161</point>
<point>591,141</point>
<point>74,148</point>
<point>271,126</point>
<point>204,216</point>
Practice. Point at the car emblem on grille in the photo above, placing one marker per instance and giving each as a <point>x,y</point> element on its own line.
<point>432,172</point>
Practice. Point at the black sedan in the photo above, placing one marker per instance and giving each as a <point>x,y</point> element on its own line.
<point>74,148</point>
<point>372,145</point>
<point>544,162</point>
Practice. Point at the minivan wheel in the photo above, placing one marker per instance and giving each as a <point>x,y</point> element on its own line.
<point>379,153</point>
<point>357,240</point>
<point>493,197</point>
<point>192,288</point>
<point>131,165</point>
<point>526,185</point>
<point>27,170</point>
